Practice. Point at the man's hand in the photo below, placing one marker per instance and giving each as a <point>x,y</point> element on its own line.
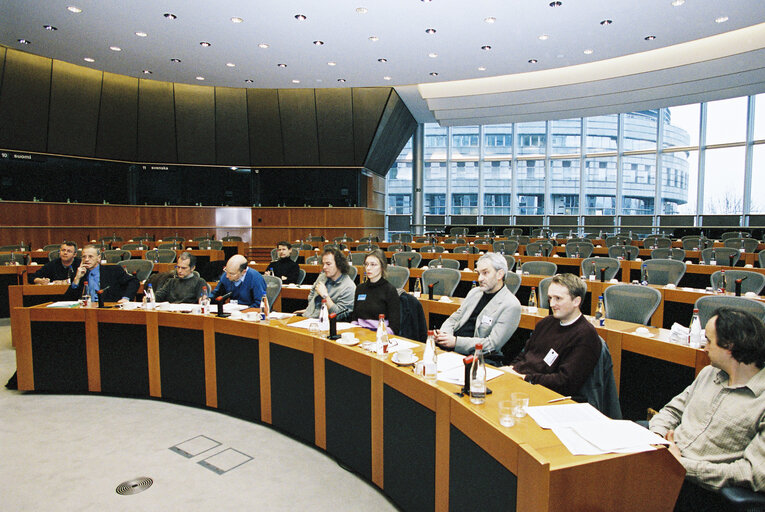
<point>673,449</point>
<point>123,300</point>
<point>80,272</point>
<point>321,289</point>
<point>42,280</point>
<point>445,340</point>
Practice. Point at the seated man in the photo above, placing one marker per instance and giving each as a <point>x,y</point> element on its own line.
<point>59,270</point>
<point>334,285</point>
<point>185,286</point>
<point>489,314</point>
<point>284,267</point>
<point>246,285</point>
<point>564,348</point>
<point>117,285</point>
<point>716,427</point>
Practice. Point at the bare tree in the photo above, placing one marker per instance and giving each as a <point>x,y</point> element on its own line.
<point>728,203</point>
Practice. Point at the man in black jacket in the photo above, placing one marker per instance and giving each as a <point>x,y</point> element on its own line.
<point>117,285</point>
<point>58,270</point>
<point>284,268</point>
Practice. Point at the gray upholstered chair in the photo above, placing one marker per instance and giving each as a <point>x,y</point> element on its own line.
<point>52,255</point>
<point>422,239</point>
<point>141,269</point>
<point>752,281</point>
<point>540,268</point>
<point>342,239</point>
<point>301,276</point>
<point>544,285</point>
<point>303,246</point>
<point>232,238</point>
<point>512,231</point>
<point>618,240</point>
<point>202,238</point>
<point>462,249</point>
<point>513,282</point>
<point>461,231</point>
<point>315,238</point>
<point>539,249</point>
<point>401,259</point>
<point>579,249</point>
<point>14,258</point>
<point>454,241</point>
<point>627,252</point>
<point>540,233</point>
<point>369,239</point>
<point>402,238</point>
<point>175,238</point>
<point>273,288</point>
<point>135,246</point>
<point>735,234</point>
<point>114,255</point>
<point>399,247</point>
<point>725,256</point>
<point>668,253</point>
<point>444,280</point>
<point>708,304</point>
<point>333,245</point>
<point>113,238</point>
<point>352,273</point>
<point>444,263</point>
<point>397,276</point>
<point>294,253</point>
<point>761,258</point>
<point>521,239</point>
<point>510,262</point>
<point>431,248</point>
<point>160,256</point>
<point>748,244</point>
<point>661,272</point>
<point>483,241</point>
<point>313,260</point>
<point>694,243</point>
<point>367,247</point>
<point>631,302</point>
<point>357,258</point>
<point>656,242</point>
<point>171,246</point>
<point>51,247</point>
<point>593,266</point>
<point>213,245</point>
<point>505,246</point>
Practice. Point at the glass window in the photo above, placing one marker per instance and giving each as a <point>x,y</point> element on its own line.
<point>435,142</point>
<point>531,204</point>
<point>498,140</point>
<point>726,121</point>
<point>600,176</point>
<point>464,182</point>
<point>601,133</point>
<point>496,204</point>
<point>497,178</point>
<point>465,142</point>
<point>531,138</point>
<point>759,117</point>
<point>465,204</point>
<point>435,204</point>
<point>399,182</point>
<point>758,179</point>
<point>724,181</point>
<point>681,126</point>
<point>565,204</point>
<point>640,130</point>
<point>399,204</point>
<point>566,136</point>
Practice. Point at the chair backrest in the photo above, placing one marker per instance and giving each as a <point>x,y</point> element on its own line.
<point>540,268</point>
<point>399,247</point>
<point>357,258</point>
<point>141,269</point>
<point>431,248</point>
<point>368,239</point>
<point>397,276</point>
<point>663,272</point>
<point>367,247</point>
<point>751,281</point>
<point>539,249</point>
<point>173,238</point>
<point>144,238</point>
<point>544,285</point>
<point>315,238</point>
<point>627,252</point>
<point>304,246</point>
<point>540,233</point>
<point>618,240</point>
<point>52,255</point>
<point>313,260</point>
<point>748,244</point>
<point>761,258</point>
<point>593,265</point>
<point>512,231</point>
<point>134,246</point>
<point>668,253</point>
<point>352,273</point>
<point>401,259</point>
<point>709,304</point>
<point>444,280</point>
<point>16,257</point>
<point>656,242</point>
<point>631,302</point>
<point>600,387</point>
<point>444,263</point>
<point>722,255</point>
<point>582,249</point>
<point>173,246</point>
<point>342,239</point>
<point>51,247</point>
<point>454,241</point>
<point>160,256</point>
<point>735,234</point>
<point>201,238</point>
<point>232,238</point>
<point>294,253</point>
<point>115,255</point>
<point>403,238</point>
<point>301,276</point>
<point>339,247</point>
<point>462,249</point>
<point>421,239</point>
<point>510,262</point>
<point>273,288</point>
<point>458,231</point>
<point>513,282</point>
<point>113,238</point>
<point>210,245</point>
<point>505,246</point>
<point>483,241</point>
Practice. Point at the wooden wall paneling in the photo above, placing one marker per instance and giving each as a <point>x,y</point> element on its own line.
<point>368,106</point>
<point>118,118</point>
<point>24,101</point>
<point>297,108</point>
<point>232,145</point>
<point>334,119</point>
<point>2,65</point>
<point>396,127</point>
<point>195,123</point>
<point>156,122</point>
<point>75,96</point>
<point>266,147</point>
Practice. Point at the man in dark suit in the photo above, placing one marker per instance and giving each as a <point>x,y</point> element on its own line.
<point>117,285</point>
<point>58,270</point>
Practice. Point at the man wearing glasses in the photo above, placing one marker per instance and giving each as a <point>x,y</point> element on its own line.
<point>185,286</point>
<point>245,285</point>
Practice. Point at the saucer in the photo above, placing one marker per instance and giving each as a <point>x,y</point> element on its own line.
<point>349,343</point>
<point>394,358</point>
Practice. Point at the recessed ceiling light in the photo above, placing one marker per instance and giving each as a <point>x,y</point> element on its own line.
<point>432,55</point>
<point>362,10</point>
<point>205,44</point>
<point>386,78</point>
<point>331,63</point>
<point>677,3</point>
<point>115,48</point>
<point>649,38</point>
<point>296,81</point>
<point>556,4</point>
<point>170,16</point>
<point>481,68</point>
<point>318,43</point>
<point>89,59</point>
<point>281,65</point>
<point>490,19</point>
<point>721,19</point>
<point>605,23</point>
<point>383,60</point>
<point>200,78</point>
<point>49,27</point>
<point>319,80</point>
<point>24,41</point>
<point>236,19</point>
<point>146,72</point>
<point>263,45</point>
<point>588,51</point>
<point>74,9</point>
<point>249,81</point>
<point>141,34</point>
<point>544,37</point>
<point>425,1</point>
<point>230,64</point>
<point>300,17</point>
<point>175,60</point>
<point>430,31</point>
<point>486,47</point>
<point>233,168</point>
<point>433,73</point>
<point>533,61</point>
<point>374,39</point>
<point>341,80</point>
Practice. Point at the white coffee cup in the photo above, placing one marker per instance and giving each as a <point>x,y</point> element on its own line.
<point>347,336</point>
<point>405,355</point>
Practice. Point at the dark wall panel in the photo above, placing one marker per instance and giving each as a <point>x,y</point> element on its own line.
<point>232,145</point>
<point>396,127</point>
<point>74,100</point>
<point>297,108</point>
<point>265,125</point>
<point>118,118</point>
<point>334,118</point>
<point>2,66</point>
<point>156,122</point>
<point>195,123</point>
<point>368,106</point>
<point>24,102</point>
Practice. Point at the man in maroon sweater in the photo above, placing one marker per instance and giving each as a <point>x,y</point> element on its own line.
<point>564,348</point>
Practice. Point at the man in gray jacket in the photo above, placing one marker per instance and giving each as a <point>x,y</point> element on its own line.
<point>334,285</point>
<point>185,287</point>
<point>489,314</point>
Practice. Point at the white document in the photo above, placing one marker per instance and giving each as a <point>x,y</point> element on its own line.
<point>401,344</point>
<point>275,315</point>
<point>303,324</point>
<point>63,304</point>
<point>610,436</point>
<point>564,415</point>
<point>457,375</point>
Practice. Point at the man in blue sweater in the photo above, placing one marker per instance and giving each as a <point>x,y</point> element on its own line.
<point>246,285</point>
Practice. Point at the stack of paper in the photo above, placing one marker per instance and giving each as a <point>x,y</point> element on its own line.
<point>451,369</point>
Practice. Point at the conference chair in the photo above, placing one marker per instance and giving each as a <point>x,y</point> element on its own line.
<point>484,234</point>
<point>301,276</point>
<point>662,272</point>
<point>694,243</point>
<point>422,239</point>
<point>357,258</point>
<point>294,253</point>
<point>413,324</point>
<point>668,253</point>
<point>115,255</point>
<point>113,238</point>
<point>742,499</point>
<point>134,246</point>
<point>144,238</point>
<point>352,273</point>
<point>444,263</point>
<point>313,260</point>
<point>600,387</point>
<point>367,247</point>
<point>579,249</point>
<point>13,258</point>
<point>454,241</point>
<point>539,249</point>
<point>402,238</point>
<point>510,262</point>
<point>273,288</point>
<point>399,247</point>
<point>656,242</point>
<point>505,247</point>
<point>202,238</point>
<point>521,239</point>
<point>483,241</point>
<point>369,239</point>
<point>466,249</point>
<point>618,240</point>
<point>315,238</point>
<point>593,266</point>
<point>51,247</point>
<point>544,285</point>
<point>211,245</point>
<point>431,248</point>
<point>458,231</point>
<point>631,302</point>
<point>626,252</point>
<point>397,276</point>
<point>725,256</point>
<point>513,282</point>
<point>761,258</point>
<point>160,256</point>
<point>748,244</point>
<point>339,247</point>
<point>175,238</point>
<point>751,281</point>
<point>444,281</point>
<point>141,269</point>
<point>594,236</point>
<point>540,268</point>
<point>708,304</point>
<point>232,238</point>
<point>735,234</point>
<point>342,239</point>
<point>172,246</point>
<point>580,239</point>
<point>409,259</point>
<point>512,231</point>
<point>52,255</point>
<point>540,233</point>
<point>302,246</point>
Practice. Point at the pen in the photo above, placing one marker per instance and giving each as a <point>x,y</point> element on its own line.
<point>558,399</point>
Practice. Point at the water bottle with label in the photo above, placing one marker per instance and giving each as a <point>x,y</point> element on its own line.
<point>381,341</point>
<point>533,300</point>
<point>85,298</point>
<point>324,317</point>
<point>417,288</point>
<point>204,301</point>
<point>429,358</point>
<point>600,313</point>
<point>478,377</point>
<point>695,339</point>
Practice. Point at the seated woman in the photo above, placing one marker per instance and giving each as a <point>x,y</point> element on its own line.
<point>376,296</point>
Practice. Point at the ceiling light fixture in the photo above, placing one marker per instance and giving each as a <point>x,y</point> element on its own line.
<point>433,73</point>
<point>425,1</point>
<point>296,81</point>
<point>533,61</point>
<point>89,59</point>
<point>74,9</point>
<point>141,34</point>
<point>605,23</point>
<point>318,43</point>
<point>362,10</point>
<point>588,51</point>
<point>263,45</point>
<point>481,68</point>
<point>721,19</point>
<point>490,19</point>
<point>486,47</point>
<point>115,48</point>
<point>49,27</point>
<point>236,19</point>
<point>24,41</point>
<point>170,16</point>
<point>230,64</point>
<point>342,80</point>
<point>374,39</point>
<point>331,63</point>
<point>386,78</point>
<point>205,44</point>
<point>544,37</point>
<point>249,81</point>
<point>432,55</point>
<point>300,17</point>
<point>146,72</point>
<point>430,31</point>
<point>281,65</point>
<point>383,60</point>
<point>649,38</point>
<point>200,78</point>
<point>677,3</point>
<point>556,4</point>
<point>175,60</point>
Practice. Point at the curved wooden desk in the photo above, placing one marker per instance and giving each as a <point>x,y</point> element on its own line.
<point>422,445</point>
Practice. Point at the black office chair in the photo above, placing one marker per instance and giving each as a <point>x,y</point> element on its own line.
<point>741,499</point>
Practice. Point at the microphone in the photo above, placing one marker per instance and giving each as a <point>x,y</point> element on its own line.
<point>333,327</point>
<point>468,362</point>
<point>220,300</point>
<point>100,294</point>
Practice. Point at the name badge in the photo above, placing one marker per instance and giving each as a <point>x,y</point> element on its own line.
<point>550,358</point>
<point>363,296</point>
<point>487,320</point>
